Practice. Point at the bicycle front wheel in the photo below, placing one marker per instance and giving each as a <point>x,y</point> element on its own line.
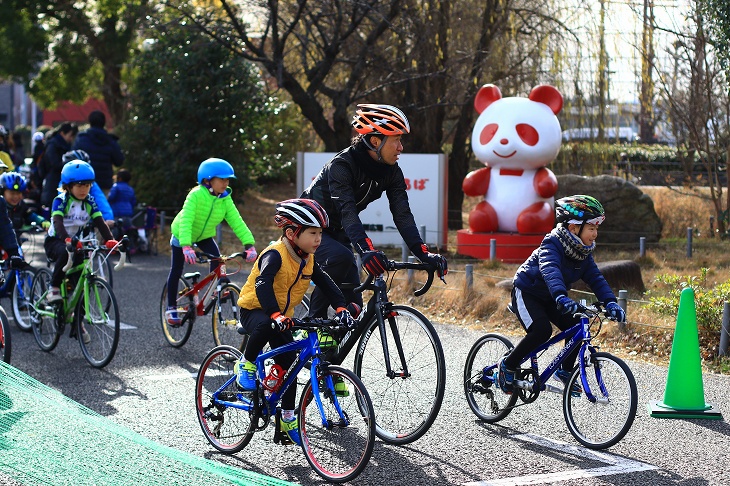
<point>102,267</point>
<point>177,335</point>
<point>225,317</point>
<point>601,423</point>
<point>228,429</point>
<point>339,444</point>
<point>5,344</point>
<point>97,315</point>
<point>485,398</point>
<point>406,402</point>
<point>45,328</point>
<point>21,299</point>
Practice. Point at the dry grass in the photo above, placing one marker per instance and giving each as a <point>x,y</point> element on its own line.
<point>647,336</point>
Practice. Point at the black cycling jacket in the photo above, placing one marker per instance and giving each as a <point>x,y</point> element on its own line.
<point>352,180</point>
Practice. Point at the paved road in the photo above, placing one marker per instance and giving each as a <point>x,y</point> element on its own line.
<point>148,387</point>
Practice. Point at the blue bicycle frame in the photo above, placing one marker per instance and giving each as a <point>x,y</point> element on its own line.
<point>308,349</point>
<point>580,336</point>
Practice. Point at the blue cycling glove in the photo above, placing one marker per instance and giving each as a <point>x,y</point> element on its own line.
<point>566,305</point>
<point>345,318</point>
<point>615,311</point>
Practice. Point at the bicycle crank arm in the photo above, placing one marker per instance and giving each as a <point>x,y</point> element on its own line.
<point>529,386</point>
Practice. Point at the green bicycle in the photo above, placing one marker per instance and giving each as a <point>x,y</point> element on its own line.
<point>88,303</point>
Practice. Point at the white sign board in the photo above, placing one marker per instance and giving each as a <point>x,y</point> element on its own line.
<point>426,182</point>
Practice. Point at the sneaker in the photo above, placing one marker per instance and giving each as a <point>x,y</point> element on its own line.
<point>85,336</point>
<point>245,375</point>
<point>564,376</point>
<point>54,294</point>
<point>341,389</point>
<point>173,316</point>
<point>291,429</point>
<point>505,378</point>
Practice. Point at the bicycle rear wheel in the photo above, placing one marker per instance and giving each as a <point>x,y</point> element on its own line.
<point>178,335</point>
<point>20,298</point>
<point>405,404</point>
<point>101,322</point>
<point>228,429</point>
<point>5,342</point>
<point>604,422</point>
<point>45,328</point>
<point>225,318</point>
<point>485,398</point>
<point>337,445</point>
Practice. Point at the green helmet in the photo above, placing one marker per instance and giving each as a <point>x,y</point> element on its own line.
<point>579,209</point>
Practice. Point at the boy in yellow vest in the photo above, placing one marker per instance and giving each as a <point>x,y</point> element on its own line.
<point>276,285</point>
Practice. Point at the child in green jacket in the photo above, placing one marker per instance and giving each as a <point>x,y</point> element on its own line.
<point>205,207</point>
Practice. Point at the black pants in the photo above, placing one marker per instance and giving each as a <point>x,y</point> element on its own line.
<point>177,263</point>
<point>56,251</point>
<point>257,325</point>
<point>537,316</point>
<point>335,256</point>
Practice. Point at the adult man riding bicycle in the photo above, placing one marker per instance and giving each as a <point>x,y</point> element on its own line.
<point>345,186</point>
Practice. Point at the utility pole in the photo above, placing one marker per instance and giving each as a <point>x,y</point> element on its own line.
<point>602,73</point>
<point>646,113</point>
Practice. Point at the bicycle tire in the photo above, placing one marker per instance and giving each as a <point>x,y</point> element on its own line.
<point>485,398</point>
<point>101,323</point>
<point>228,429</point>
<point>177,336</point>
<point>225,317</point>
<point>302,310</point>
<point>102,267</point>
<point>600,425</point>
<point>20,298</point>
<point>45,329</point>
<point>337,451</point>
<point>5,338</point>
<point>405,408</point>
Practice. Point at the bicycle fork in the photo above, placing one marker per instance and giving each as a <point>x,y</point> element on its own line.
<point>381,312</point>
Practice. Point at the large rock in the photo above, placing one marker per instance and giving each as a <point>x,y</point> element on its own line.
<point>620,275</point>
<point>630,213</point>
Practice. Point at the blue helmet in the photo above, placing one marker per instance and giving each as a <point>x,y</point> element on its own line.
<point>213,167</point>
<point>12,181</point>
<point>76,155</point>
<point>77,171</point>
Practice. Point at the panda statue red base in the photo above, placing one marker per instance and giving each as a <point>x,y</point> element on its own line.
<point>515,138</point>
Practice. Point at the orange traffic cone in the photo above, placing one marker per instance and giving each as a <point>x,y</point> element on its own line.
<point>684,396</point>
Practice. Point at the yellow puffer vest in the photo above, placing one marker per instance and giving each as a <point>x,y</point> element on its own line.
<point>290,283</point>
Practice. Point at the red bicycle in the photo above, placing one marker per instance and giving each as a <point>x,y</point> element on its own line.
<point>197,297</point>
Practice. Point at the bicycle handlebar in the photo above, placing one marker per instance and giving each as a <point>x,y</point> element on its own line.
<point>595,309</point>
<point>201,255</point>
<point>393,265</point>
<point>90,244</point>
<point>314,323</point>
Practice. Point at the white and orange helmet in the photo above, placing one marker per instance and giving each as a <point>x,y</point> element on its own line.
<point>384,119</point>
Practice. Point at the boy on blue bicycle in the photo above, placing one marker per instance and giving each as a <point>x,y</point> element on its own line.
<point>541,284</point>
<point>276,285</point>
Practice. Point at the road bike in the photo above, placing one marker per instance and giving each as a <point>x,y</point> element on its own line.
<point>87,302</point>
<point>599,398</point>
<point>336,424</point>
<point>398,356</point>
<point>5,341</point>
<point>196,297</point>
<point>17,285</point>
<point>140,228</point>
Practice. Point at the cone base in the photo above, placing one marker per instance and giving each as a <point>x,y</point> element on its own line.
<point>659,410</point>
